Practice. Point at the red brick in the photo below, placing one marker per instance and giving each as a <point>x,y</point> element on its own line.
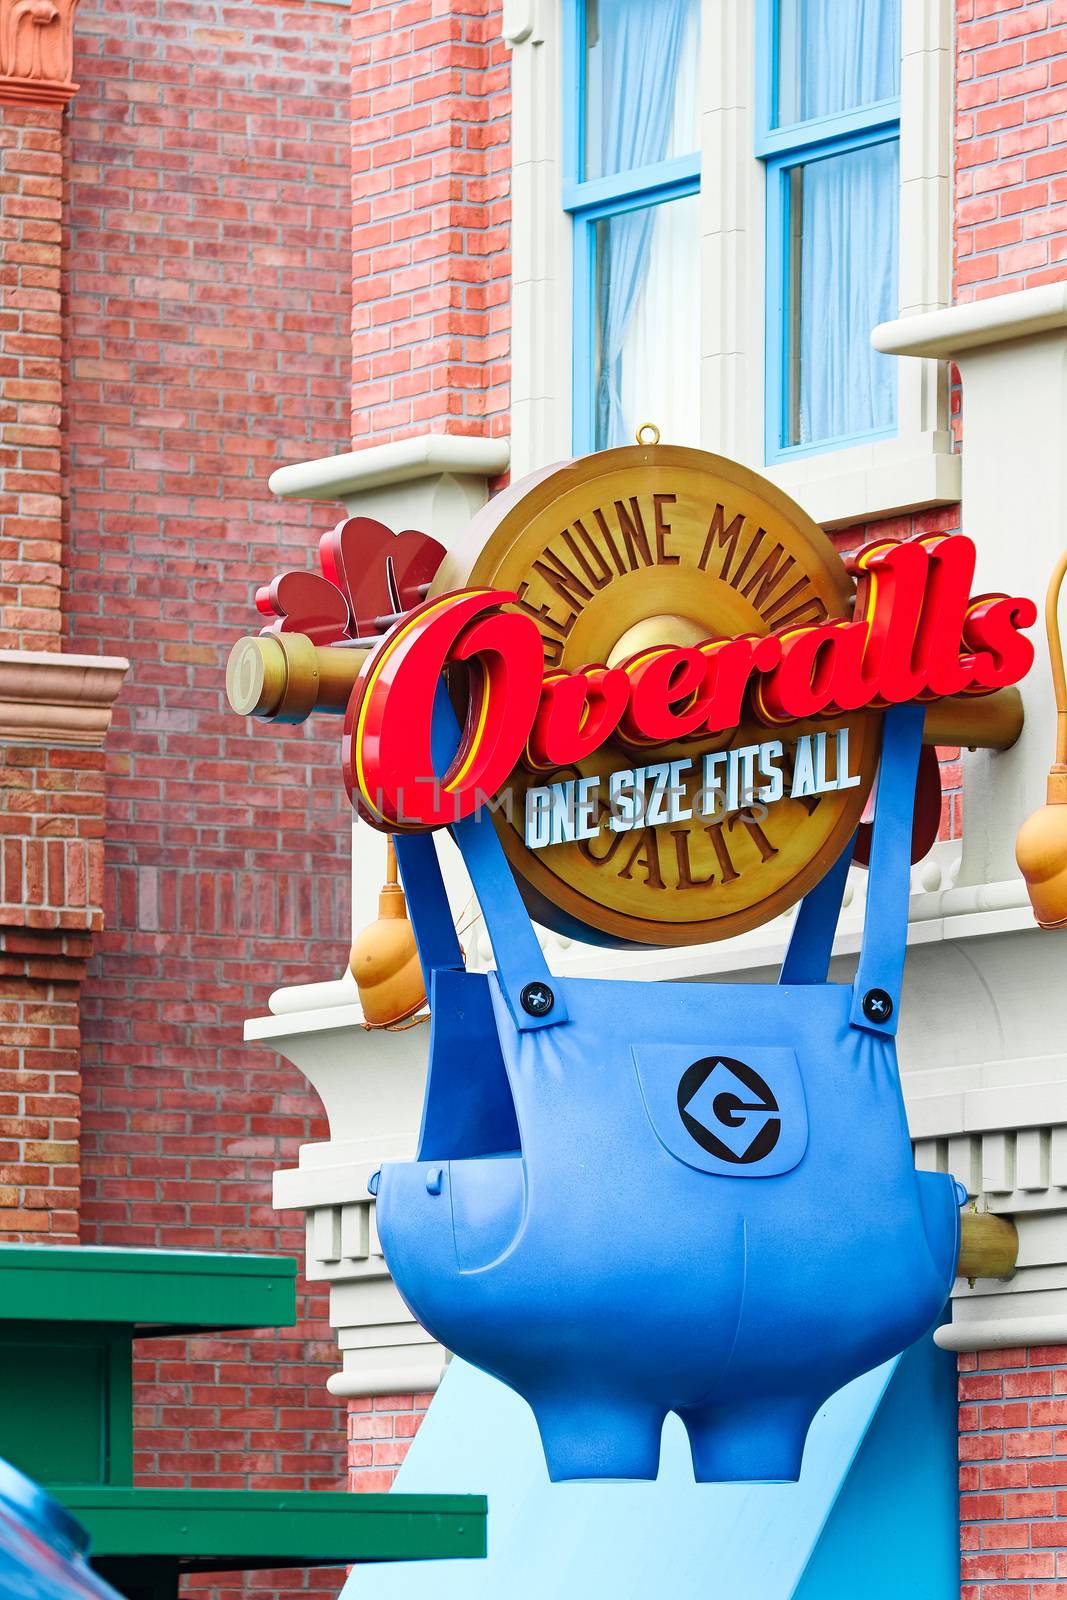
<point>206,307</point>
<point>1010,66</point>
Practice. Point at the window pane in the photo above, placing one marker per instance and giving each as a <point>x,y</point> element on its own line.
<point>836,55</point>
<point>647,366</point>
<point>641,64</point>
<point>843,280</point>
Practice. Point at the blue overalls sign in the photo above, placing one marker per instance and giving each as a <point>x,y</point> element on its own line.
<point>696,1198</point>
<point>631,1198</point>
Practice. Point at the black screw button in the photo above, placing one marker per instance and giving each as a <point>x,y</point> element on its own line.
<point>537,999</point>
<point>877,1006</point>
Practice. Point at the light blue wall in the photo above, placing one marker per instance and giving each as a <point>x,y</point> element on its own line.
<point>896,1519</point>
<point>892,1532</point>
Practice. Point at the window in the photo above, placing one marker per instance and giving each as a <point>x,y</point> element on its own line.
<point>828,130</point>
<point>632,174</point>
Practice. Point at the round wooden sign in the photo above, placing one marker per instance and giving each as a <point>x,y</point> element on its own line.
<point>656,544</point>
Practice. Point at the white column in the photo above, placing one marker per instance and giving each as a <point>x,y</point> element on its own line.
<point>1012,355</point>
<point>990,1104</point>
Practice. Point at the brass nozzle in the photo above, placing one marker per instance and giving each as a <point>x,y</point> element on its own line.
<point>989,1246</point>
<point>976,721</point>
<point>284,677</point>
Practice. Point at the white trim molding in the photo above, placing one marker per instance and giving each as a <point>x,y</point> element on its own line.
<point>976,325</point>
<point>994,1110</point>
<point>380,466</point>
<point>1015,1333</point>
<point>541,243</point>
<point>432,481</point>
<point>1011,351</point>
<point>371,1085</point>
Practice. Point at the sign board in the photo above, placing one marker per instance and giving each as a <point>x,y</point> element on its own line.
<point>673,687</point>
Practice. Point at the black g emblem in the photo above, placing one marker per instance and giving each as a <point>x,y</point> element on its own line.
<point>729,1110</point>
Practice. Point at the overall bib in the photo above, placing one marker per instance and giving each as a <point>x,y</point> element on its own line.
<point>632,1198</point>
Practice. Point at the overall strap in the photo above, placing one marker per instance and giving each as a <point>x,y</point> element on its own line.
<point>876,988</point>
<point>532,997</point>
<point>428,907</point>
<point>807,958</point>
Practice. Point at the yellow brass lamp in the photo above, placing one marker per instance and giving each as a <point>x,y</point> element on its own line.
<point>385,959</point>
<point>1041,845</point>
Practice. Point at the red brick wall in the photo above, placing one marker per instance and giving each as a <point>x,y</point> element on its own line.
<point>208,277</point>
<point>431,214</point>
<point>40,1111</point>
<point>379,1433</point>
<point>51,891</point>
<point>1013,1474</point>
<point>1011,145</point>
<point>31,185</point>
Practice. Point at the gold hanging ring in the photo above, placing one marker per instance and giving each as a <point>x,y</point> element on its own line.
<point>651,430</point>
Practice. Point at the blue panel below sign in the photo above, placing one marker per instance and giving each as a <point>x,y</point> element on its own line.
<point>896,1518</point>
<point>877,1495</point>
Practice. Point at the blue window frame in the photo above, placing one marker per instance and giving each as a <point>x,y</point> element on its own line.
<point>828,132</point>
<point>623,62</point>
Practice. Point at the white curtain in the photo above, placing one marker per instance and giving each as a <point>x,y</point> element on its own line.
<point>836,55</point>
<point>646,101</point>
<point>848,284</point>
<point>659,378</point>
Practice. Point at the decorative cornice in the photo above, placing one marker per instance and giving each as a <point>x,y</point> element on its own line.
<point>1003,1333</point>
<point>998,320</point>
<point>48,698</point>
<point>426,455</point>
<point>37,52</point>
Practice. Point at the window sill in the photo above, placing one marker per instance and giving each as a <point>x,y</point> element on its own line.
<point>885,478</point>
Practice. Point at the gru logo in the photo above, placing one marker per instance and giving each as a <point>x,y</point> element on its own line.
<point>729,1110</point>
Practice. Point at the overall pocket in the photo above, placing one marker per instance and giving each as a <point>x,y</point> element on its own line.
<point>738,1112</point>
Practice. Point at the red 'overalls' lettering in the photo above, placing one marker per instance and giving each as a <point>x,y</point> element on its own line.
<point>915,635</point>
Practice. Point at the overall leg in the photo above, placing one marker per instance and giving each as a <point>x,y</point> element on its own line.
<point>745,1441</point>
<point>597,1436</point>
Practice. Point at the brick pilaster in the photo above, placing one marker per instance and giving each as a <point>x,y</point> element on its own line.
<point>431,314</point>
<point>1013,1474</point>
<point>31,181</point>
<point>40,1084</point>
<point>1011,145</point>
<point>54,709</point>
<point>431,212</point>
<point>380,1429</point>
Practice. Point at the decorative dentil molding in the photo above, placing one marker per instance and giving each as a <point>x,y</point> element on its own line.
<point>37,51</point>
<point>371,1086</point>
